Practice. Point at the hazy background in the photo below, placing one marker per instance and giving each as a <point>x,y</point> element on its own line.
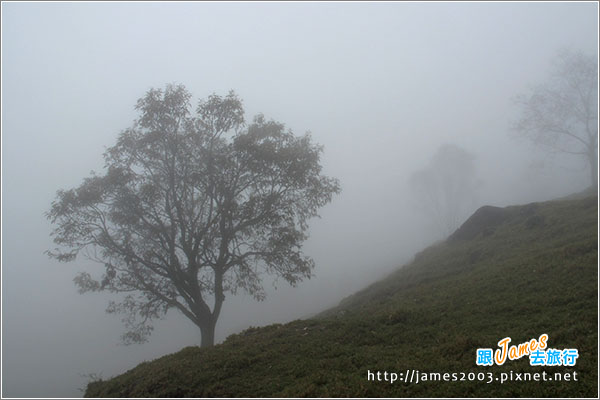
<point>380,85</point>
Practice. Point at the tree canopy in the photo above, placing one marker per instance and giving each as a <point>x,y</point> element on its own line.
<point>561,114</point>
<point>445,189</point>
<point>192,206</point>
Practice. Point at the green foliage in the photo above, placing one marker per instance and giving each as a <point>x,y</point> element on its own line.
<point>519,280</point>
<point>192,207</point>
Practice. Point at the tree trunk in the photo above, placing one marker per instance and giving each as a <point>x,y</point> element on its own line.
<point>207,320</point>
<point>208,333</point>
<point>593,167</point>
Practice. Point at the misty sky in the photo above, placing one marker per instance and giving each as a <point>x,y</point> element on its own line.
<point>380,85</point>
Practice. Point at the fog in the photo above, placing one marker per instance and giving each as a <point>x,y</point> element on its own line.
<point>380,85</point>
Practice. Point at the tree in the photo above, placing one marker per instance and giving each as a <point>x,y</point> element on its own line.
<point>445,190</point>
<point>561,114</point>
<point>191,207</point>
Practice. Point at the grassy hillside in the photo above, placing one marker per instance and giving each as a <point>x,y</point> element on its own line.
<point>518,271</point>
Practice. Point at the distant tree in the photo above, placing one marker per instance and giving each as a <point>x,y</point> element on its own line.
<point>191,207</point>
<point>445,190</point>
<point>561,114</point>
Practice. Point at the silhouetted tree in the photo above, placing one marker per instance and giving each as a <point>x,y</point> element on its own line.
<point>445,190</point>
<point>192,207</point>
<point>562,114</point>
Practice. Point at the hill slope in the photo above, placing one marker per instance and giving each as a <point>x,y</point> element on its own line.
<point>518,271</point>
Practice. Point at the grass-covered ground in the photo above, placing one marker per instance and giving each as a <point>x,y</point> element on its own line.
<point>520,272</point>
